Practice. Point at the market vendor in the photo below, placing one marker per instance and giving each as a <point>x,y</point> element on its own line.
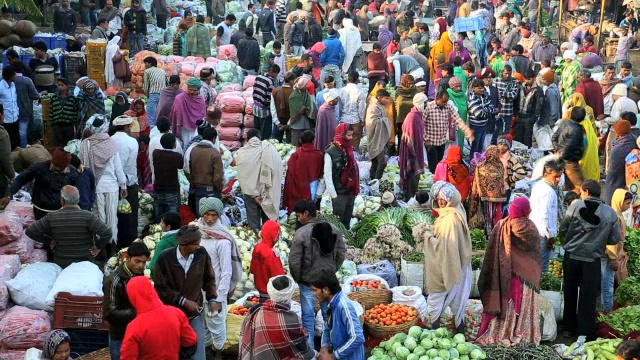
<point>44,68</point>
<point>587,46</point>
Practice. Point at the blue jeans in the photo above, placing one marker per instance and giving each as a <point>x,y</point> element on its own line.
<point>606,296</point>
<point>165,202</point>
<point>333,70</point>
<point>552,15</point>
<point>23,129</point>
<point>546,254</point>
<point>152,104</point>
<point>136,44</point>
<point>503,126</point>
<point>197,324</point>
<point>308,304</point>
<point>203,192</point>
<point>478,139</point>
<point>114,348</point>
<point>89,18</point>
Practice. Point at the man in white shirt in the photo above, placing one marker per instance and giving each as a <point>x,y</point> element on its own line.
<point>163,126</point>
<point>128,150</point>
<point>544,207</point>
<point>354,103</point>
<point>9,99</point>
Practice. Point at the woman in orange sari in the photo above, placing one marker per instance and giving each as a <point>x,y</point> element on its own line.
<point>437,57</point>
<point>453,170</point>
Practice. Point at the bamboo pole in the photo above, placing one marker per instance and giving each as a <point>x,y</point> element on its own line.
<point>600,24</point>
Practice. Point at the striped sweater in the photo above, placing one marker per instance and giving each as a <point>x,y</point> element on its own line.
<point>281,11</point>
<point>480,108</point>
<point>64,110</point>
<point>262,91</point>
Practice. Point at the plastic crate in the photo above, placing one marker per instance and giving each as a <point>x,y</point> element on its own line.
<point>5,62</point>
<point>87,341</point>
<point>60,42</point>
<point>25,58</point>
<point>468,24</point>
<point>78,312</point>
<point>47,40</point>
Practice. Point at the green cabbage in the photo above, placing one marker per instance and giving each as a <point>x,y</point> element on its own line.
<point>401,337</point>
<point>412,357</point>
<point>459,338</point>
<point>432,353</point>
<point>426,343</point>
<point>395,346</point>
<point>424,357</point>
<point>442,333</point>
<point>415,332</point>
<point>410,343</point>
<point>419,350</point>
<point>477,354</point>
<point>464,357</point>
<point>454,353</point>
<point>426,334</point>
<point>388,344</point>
<point>445,344</point>
<point>402,353</point>
<point>463,349</point>
<point>444,354</point>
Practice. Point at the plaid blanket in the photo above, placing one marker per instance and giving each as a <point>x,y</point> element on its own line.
<point>273,331</point>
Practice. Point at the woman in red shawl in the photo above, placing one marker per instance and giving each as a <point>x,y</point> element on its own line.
<point>304,169</point>
<point>453,170</point>
<point>509,280</point>
<point>137,112</point>
<point>343,178</point>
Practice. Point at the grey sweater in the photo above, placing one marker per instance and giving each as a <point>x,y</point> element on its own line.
<point>306,257</point>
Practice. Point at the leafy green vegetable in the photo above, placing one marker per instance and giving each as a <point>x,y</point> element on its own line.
<point>478,239</point>
<point>628,292</point>
<point>476,262</point>
<point>401,218</point>
<point>550,282</point>
<point>624,320</point>
<point>415,257</point>
<point>632,247</point>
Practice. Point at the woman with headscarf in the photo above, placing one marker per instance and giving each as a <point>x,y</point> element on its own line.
<point>352,44</point>
<point>620,148</point>
<point>304,170</point>
<point>513,168</point>
<point>461,51</point>
<point>404,101</point>
<point>437,57</point>
<point>569,79</point>
<point>187,109</point>
<point>620,203</point>
<point>447,250</point>
<point>590,162</point>
<point>341,173</point>
<point>391,112</point>
<point>363,22</point>
<point>113,47</point>
<point>384,37</point>
<point>411,159</point>
<point>57,346</point>
<point>300,101</point>
<point>458,96</point>
<point>487,191</point>
<point>378,130</point>
<point>99,153</point>
<point>120,105</point>
<point>137,111</point>
<point>327,120</point>
<point>315,52</point>
<point>90,102</point>
<point>454,170</point>
<point>509,280</point>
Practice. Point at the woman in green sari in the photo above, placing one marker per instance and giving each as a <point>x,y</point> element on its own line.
<point>459,99</point>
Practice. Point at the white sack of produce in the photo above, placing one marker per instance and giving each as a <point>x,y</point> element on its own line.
<point>9,266</point>
<point>24,328</point>
<point>10,228</point>
<point>32,284</point>
<point>411,296</point>
<point>80,279</point>
<point>348,289</point>
<point>556,299</point>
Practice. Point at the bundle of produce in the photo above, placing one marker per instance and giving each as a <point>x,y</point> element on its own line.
<point>23,328</point>
<point>252,300</point>
<point>137,68</point>
<point>420,343</point>
<point>387,244</point>
<point>412,221</point>
<point>624,320</point>
<point>285,150</point>
<point>333,220</point>
<point>365,205</point>
<point>367,227</point>
<point>21,247</point>
<point>231,120</point>
<point>230,133</point>
<point>478,239</point>
<point>476,262</point>
<point>354,254</point>
<point>520,352</point>
<point>555,267</point>
<point>226,71</point>
<point>597,349</point>
<point>165,49</point>
<point>628,292</point>
<point>239,310</point>
<point>632,247</point>
<point>426,181</point>
<point>550,282</point>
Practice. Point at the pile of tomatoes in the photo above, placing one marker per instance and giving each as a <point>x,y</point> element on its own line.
<point>360,285</point>
<point>239,310</point>
<point>390,315</point>
<point>252,300</point>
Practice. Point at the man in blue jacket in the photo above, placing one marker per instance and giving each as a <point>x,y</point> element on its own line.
<point>331,58</point>
<point>342,337</point>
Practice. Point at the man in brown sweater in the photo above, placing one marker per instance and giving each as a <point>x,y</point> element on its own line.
<point>166,185</point>
<point>205,168</point>
<point>181,274</point>
<point>280,105</point>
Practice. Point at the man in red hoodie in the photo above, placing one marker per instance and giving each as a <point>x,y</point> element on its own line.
<point>265,261</point>
<point>159,331</point>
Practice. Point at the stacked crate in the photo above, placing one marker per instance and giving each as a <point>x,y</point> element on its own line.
<point>96,52</point>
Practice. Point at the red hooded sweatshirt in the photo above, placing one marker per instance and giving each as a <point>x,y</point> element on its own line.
<point>265,264</point>
<point>158,330</point>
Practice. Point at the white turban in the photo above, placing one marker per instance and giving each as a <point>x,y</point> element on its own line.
<point>569,54</point>
<point>619,90</point>
<point>283,295</point>
<point>331,94</point>
<point>420,100</point>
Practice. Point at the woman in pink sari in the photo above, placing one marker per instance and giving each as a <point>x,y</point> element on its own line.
<point>188,108</point>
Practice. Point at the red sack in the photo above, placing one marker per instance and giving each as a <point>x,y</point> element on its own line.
<point>10,228</point>
<point>24,210</point>
<point>23,248</point>
<point>230,103</point>
<point>229,134</point>
<point>23,328</point>
<point>231,145</point>
<point>231,119</point>
<point>37,255</point>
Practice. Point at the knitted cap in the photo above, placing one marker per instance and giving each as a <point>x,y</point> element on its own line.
<point>188,234</point>
<point>211,204</point>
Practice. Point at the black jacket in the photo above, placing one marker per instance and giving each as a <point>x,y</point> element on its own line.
<point>117,308</point>
<point>266,22</point>
<point>47,185</point>
<point>249,54</point>
<point>569,141</point>
<point>296,37</point>
<point>314,35</point>
<point>64,20</point>
<point>136,22</point>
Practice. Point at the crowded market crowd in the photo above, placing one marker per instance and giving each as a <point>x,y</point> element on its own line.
<point>227,168</point>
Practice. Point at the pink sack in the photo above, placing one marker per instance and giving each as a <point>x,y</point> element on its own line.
<point>245,131</point>
<point>24,328</point>
<point>231,119</point>
<point>187,68</point>
<point>248,106</point>
<point>194,59</point>
<point>37,255</point>
<point>10,227</point>
<point>23,248</point>
<point>173,59</point>
<point>24,210</point>
<point>229,133</point>
<point>249,80</point>
<point>9,267</point>
<point>249,121</point>
<point>6,354</point>
<point>231,145</point>
<point>231,87</point>
<point>248,93</point>
<point>230,103</point>
<point>441,172</point>
<point>228,52</point>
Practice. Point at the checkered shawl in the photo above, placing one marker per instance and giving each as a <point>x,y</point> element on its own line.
<point>273,332</point>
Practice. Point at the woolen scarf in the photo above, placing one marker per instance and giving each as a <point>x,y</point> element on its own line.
<point>350,176</point>
<point>95,152</point>
<point>53,340</point>
<point>514,248</point>
<point>186,110</point>
<point>489,177</point>
<point>325,126</point>
<point>117,109</point>
<point>458,172</point>
<point>220,232</point>
<point>88,101</point>
<point>459,100</point>
<point>608,85</point>
<point>143,117</point>
<point>167,98</point>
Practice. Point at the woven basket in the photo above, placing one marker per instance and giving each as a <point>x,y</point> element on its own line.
<point>372,297</point>
<point>296,297</point>
<point>102,354</point>
<point>382,331</point>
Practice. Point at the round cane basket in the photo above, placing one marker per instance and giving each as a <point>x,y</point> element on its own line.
<point>372,297</point>
<point>296,297</point>
<point>102,354</point>
<point>378,331</point>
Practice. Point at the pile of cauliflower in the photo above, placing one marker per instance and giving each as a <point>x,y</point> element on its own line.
<point>365,205</point>
<point>386,245</point>
<point>155,233</point>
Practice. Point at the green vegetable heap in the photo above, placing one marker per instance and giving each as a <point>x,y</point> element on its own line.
<point>550,282</point>
<point>624,320</point>
<point>598,349</point>
<point>628,293</point>
<point>478,239</point>
<point>632,247</point>
<point>521,352</point>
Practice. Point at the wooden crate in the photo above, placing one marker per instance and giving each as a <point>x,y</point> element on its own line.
<point>46,107</point>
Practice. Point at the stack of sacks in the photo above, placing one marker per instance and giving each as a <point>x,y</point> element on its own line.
<point>228,52</point>
<point>249,123</point>
<point>228,73</point>
<point>230,129</point>
<point>24,210</point>
<point>22,328</point>
<point>12,238</point>
<point>137,68</point>
<point>9,266</point>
